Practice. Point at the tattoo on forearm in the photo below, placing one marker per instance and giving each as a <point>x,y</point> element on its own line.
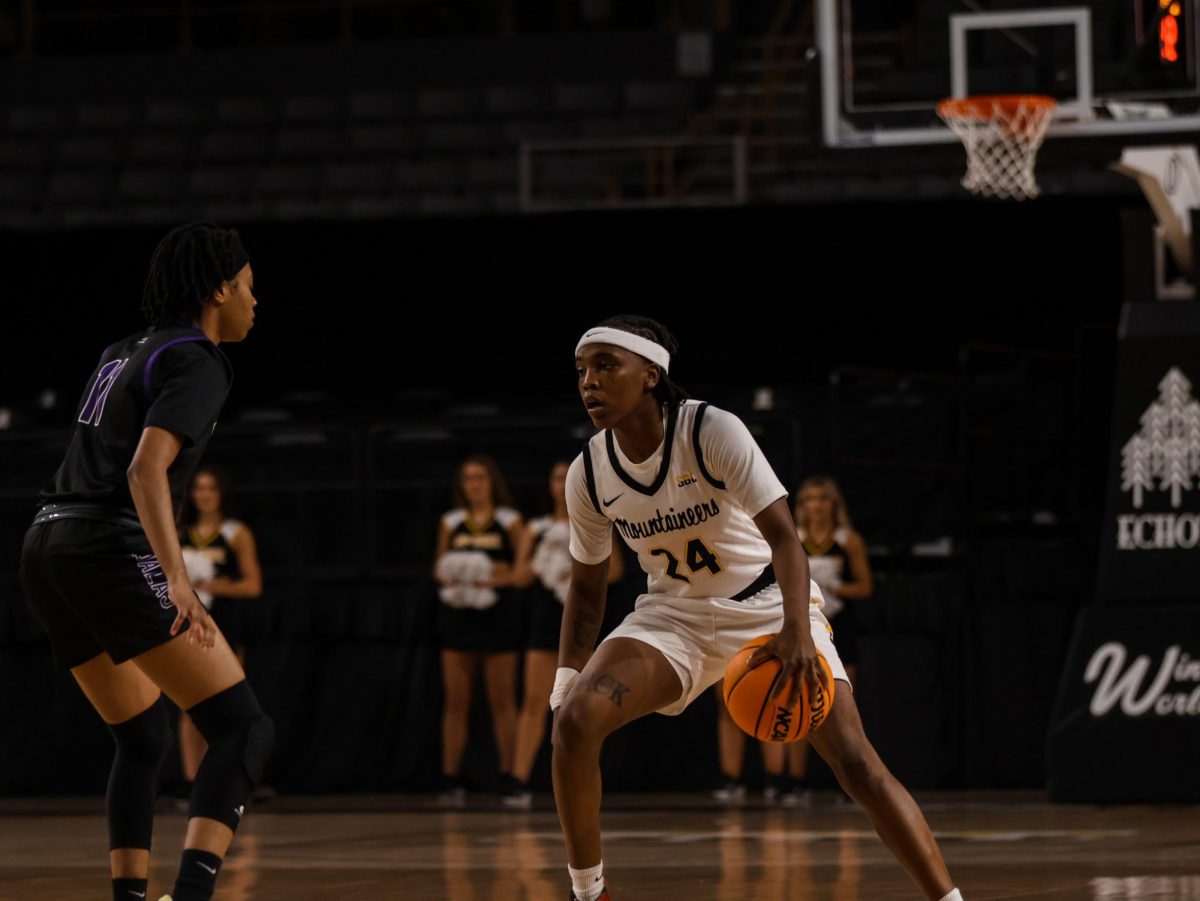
<point>585,629</point>
<point>606,685</point>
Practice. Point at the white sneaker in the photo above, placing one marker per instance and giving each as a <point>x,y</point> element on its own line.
<point>518,800</point>
<point>730,793</point>
<point>452,794</point>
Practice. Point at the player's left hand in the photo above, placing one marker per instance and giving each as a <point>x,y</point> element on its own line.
<point>797,655</point>
<point>202,630</point>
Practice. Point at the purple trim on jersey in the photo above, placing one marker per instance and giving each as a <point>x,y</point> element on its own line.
<point>147,372</point>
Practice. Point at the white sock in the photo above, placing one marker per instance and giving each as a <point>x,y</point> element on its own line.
<point>587,884</point>
<point>953,896</point>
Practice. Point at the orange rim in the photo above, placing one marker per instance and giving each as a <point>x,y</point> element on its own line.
<point>990,106</point>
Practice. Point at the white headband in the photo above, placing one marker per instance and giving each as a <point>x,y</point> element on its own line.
<point>643,347</point>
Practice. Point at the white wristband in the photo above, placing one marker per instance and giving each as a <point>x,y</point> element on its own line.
<point>564,678</point>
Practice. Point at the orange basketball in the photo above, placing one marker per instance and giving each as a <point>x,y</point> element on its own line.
<point>747,695</point>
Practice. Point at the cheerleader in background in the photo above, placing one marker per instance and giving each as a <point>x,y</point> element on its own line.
<point>479,618</point>
<point>222,562</point>
<point>545,568</point>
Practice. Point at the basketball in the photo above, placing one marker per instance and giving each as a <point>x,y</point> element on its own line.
<point>747,693</point>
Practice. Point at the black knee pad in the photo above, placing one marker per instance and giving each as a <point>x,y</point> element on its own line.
<point>142,744</point>
<point>240,737</point>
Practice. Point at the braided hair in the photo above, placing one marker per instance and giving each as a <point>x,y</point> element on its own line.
<point>668,394</point>
<point>187,268</point>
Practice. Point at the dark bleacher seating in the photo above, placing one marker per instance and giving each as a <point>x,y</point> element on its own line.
<point>318,109</point>
<point>522,130</point>
<point>90,151</point>
<point>36,120</point>
<point>449,104</point>
<point>235,146</point>
<point>310,142</point>
<point>173,114</point>
<point>382,139</point>
<point>226,182</point>
<point>451,204</point>
<point>507,102</point>
<point>570,173</point>
<point>493,173</point>
<point>247,112</point>
<point>431,175</point>
<point>107,118</point>
<point>23,153</point>
<point>381,106</point>
<point>138,186</point>
<point>460,138</point>
<point>313,143</point>
<point>296,181</point>
<point>79,189</point>
<point>658,97</point>
<point>19,192</point>
<point>588,99</point>
<point>166,148</point>
<point>357,179</point>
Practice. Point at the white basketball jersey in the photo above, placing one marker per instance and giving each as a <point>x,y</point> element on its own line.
<point>686,519</point>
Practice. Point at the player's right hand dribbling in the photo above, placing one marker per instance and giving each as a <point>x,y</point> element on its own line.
<point>203,630</point>
<point>797,655</point>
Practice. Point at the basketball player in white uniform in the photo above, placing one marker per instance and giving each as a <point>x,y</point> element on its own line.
<point>692,494</point>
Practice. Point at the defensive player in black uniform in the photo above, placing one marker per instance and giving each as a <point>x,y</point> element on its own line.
<point>102,569</point>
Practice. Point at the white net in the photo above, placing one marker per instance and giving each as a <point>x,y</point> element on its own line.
<point>1002,136</point>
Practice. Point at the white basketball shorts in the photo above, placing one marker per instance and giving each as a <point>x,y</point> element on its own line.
<point>699,636</point>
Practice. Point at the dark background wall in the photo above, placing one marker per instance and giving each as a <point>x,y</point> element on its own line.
<point>949,362</point>
<point>784,294</point>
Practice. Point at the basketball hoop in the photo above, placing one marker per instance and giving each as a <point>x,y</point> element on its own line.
<point>1002,135</point>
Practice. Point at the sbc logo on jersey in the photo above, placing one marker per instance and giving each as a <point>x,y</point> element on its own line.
<point>687,478</point>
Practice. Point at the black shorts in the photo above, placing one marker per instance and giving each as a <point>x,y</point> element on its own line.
<point>95,587</point>
<point>498,628</point>
<point>545,620</point>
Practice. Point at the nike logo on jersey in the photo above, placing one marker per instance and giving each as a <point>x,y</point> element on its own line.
<point>205,866</point>
<point>137,894</point>
<point>240,810</point>
<point>614,500</point>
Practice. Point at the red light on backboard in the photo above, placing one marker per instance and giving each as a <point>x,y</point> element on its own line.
<point>1168,39</point>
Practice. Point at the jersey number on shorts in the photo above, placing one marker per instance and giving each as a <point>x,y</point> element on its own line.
<point>697,556</point>
<point>93,409</point>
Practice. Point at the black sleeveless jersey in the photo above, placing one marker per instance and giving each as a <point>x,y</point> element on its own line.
<point>492,538</point>
<point>173,378</point>
<point>217,547</point>
<point>834,548</point>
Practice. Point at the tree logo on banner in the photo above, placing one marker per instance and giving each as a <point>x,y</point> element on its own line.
<point>1165,454</point>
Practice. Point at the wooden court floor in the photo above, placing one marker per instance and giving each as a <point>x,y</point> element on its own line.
<point>657,847</point>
